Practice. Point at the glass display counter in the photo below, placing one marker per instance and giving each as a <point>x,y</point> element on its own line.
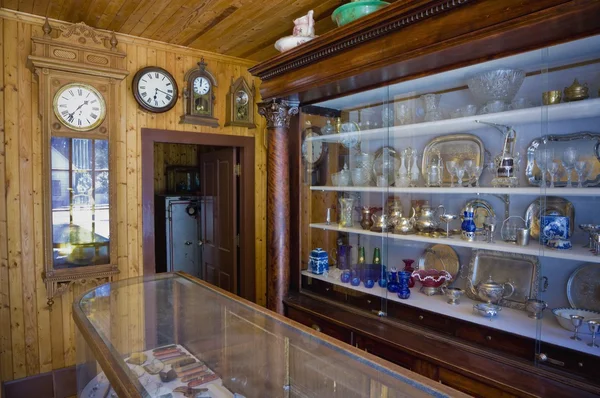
<point>175,336</point>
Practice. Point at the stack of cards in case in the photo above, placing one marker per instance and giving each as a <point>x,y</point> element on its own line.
<point>169,354</point>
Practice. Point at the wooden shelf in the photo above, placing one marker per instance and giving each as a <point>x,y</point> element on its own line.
<point>527,191</point>
<point>509,320</point>
<point>577,253</point>
<point>566,111</point>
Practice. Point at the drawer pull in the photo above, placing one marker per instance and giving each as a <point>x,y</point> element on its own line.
<point>488,338</point>
<point>420,317</point>
<point>544,358</point>
<point>316,327</point>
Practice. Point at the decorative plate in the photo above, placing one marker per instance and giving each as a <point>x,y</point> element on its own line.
<point>583,287</point>
<point>349,134</point>
<point>482,208</point>
<point>457,147</point>
<point>587,145</point>
<point>386,161</point>
<point>442,258</point>
<point>555,206</point>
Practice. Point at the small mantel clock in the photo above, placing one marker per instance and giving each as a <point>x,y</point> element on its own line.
<point>240,104</point>
<point>199,97</point>
<point>80,73</point>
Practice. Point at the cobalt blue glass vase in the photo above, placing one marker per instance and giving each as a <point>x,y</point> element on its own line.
<point>392,285</point>
<point>403,280</point>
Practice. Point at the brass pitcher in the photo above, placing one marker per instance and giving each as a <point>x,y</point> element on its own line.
<point>366,213</point>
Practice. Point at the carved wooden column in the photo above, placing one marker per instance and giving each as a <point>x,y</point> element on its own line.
<point>278,113</point>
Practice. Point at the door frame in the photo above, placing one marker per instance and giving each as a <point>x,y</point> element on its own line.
<point>247,277</point>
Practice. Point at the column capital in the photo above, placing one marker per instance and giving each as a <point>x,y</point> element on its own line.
<point>278,112</point>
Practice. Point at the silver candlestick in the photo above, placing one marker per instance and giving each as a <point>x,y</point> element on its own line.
<point>576,320</point>
<point>593,326</point>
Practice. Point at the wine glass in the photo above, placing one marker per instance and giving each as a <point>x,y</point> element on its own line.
<point>580,167</point>
<point>552,168</point>
<point>460,173</point>
<point>450,165</point>
<point>468,165</point>
<point>576,320</point>
<point>542,158</point>
<point>476,173</point>
<point>593,326</point>
<point>489,224</point>
<point>569,158</point>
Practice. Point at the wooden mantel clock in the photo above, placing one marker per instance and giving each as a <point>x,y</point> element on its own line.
<point>80,73</point>
<point>240,104</point>
<point>199,96</point>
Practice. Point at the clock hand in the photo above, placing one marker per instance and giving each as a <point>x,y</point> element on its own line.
<point>78,108</point>
<point>162,92</point>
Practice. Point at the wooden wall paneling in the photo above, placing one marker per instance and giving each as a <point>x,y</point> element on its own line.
<point>94,12</point>
<point>40,7</point>
<point>161,61</point>
<point>5,324</point>
<point>43,311</point>
<point>171,117</point>
<point>26,197</point>
<point>110,10</point>
<point>11,108</point>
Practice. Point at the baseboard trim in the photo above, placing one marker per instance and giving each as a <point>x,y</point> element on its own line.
<point>60,383</point>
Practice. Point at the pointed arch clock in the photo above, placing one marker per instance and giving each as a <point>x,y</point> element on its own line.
<point>240,104</point>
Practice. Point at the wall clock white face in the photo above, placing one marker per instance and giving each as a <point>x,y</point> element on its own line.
<point>241,98</point>
<point>79,106</point>
<point>156,90</point>
<point>201,85</point>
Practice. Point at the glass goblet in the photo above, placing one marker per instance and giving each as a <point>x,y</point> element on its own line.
<point>576,321</point>
<point>489,224</point>
<point>552,168</point>
<point>569,158</point>
<point>450,165</point>
<point>580,167</point>
<point>476,173</point>
<point>460,173</point>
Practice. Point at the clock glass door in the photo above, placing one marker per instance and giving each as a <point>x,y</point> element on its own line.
<point>80,202</point>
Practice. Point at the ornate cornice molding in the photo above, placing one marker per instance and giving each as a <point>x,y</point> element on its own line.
<point>364,36</point>
<point>278,112</point>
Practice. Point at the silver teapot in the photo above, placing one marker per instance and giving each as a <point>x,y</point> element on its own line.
<point>405,225</point>
<point>427,219</point>
<point>381,223</point>
<point>492,292</point>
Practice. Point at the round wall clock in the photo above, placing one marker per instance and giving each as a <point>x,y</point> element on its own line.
<point>79,106</point>
<point>155,89</point>
<point>313,151</point>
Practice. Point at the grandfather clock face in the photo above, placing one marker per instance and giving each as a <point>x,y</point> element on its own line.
<point>241,106</point>
<point>79,106</point>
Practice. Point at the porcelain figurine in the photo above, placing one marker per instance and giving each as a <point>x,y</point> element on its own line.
<point>304,30</point>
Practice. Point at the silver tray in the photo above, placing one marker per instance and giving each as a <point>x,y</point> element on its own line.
<point>521,270</point>
<point>482,208</point>
<point>554,206</point>
<point>586,143</point>
<point>457,147</point>
<point>583,287</point>
<point>442,258</point>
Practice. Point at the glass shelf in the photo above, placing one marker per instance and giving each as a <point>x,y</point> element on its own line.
<point>529,191</point>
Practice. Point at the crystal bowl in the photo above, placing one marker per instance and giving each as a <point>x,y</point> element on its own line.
<point>563,317</point>
<point>356,9</point>
<point>496,85</point>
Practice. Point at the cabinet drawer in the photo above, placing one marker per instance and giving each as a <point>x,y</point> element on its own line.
<point>470,386</point>
<point>386,352</point>
<point>320,325</point>
<point>497,340</point>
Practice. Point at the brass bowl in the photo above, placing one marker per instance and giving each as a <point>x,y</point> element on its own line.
<point>576,92</point>
<point>551,97</point>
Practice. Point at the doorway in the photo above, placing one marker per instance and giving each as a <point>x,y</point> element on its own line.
<point>198,208</point>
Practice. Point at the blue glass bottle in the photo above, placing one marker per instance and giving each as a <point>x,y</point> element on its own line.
<point>392,285</point>
<point>403,280</point>
<point>468,226</point>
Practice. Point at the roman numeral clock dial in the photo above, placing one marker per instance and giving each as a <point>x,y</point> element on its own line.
<point>79,106</point>
<point>155,89</point>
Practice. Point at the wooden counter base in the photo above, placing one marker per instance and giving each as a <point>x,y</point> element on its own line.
<point>442,358</point>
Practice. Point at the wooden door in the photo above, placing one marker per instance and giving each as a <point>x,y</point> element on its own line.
<point>219,218</point>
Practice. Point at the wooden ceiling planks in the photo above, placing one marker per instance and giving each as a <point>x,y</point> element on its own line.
<point>241,28</point>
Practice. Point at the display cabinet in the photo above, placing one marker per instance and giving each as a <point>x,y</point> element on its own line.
<point>188,338</point>
<point>459,195</point>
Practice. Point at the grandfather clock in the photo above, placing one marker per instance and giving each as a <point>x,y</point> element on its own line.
<point>80,72</point>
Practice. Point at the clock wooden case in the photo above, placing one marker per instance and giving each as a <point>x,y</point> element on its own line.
<point>240,104</point>
<point>80,72</point>
<point>199,96</point>
<point>154,89</point>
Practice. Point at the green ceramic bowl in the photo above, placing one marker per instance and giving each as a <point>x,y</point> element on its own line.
<point>356,9</point>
